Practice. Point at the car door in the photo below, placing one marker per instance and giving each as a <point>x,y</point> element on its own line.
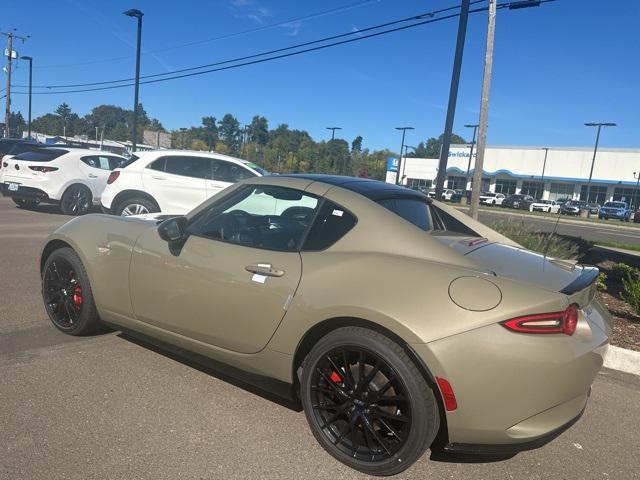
<point>95,170</point>
<point>229,284</point>
<point>177,182</point>
<point>224,174</point>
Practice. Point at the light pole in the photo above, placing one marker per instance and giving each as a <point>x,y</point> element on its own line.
<point>635,192</point>
<point>333,131</point>
<point>30,60</point>
<point>404,131</point>
<point>137,14</point>
<point>595,150</point>
<point>473,142</point>
<point>404,164</point>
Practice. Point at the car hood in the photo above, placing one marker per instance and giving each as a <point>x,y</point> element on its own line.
<point>525,266</point>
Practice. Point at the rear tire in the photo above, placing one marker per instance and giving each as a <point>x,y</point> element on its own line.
<point>76,200</point>
<point>136,206</point>
<point>377,418</point>
<point>23,203</point>
<point>67,296</point>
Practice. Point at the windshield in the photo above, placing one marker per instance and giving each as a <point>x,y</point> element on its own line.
<point>257,168</point>
<point>616,204</point>
<point>41,155</point>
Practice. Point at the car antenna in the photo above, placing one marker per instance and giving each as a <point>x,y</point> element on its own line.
<point>555,228</point>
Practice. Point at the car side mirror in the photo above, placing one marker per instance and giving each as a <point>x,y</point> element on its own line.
<point>173,229</point>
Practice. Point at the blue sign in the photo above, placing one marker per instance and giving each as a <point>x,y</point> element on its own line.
<point>392,164</point>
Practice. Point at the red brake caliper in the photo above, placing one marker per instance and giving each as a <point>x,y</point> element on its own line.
<point>335,378</point>
<point>77,297</point>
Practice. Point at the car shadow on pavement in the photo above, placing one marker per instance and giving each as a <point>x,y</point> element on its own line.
<point>53,209</point>
<point>215,369</point>
<point>438,455</point>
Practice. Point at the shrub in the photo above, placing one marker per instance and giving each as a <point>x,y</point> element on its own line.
<point>631,291</point>
<point>621,271</point>
<point>601,282</point>
<point>532,239</point>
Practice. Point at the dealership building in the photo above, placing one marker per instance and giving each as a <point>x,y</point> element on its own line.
<point>524,170</point>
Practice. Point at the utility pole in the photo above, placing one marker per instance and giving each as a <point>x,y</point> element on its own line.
<point>136,14</point>
<point>453,98</point>
<point>484,112</point>
<point>30,60</point>
<point>333,131</point>
<point>404,131</point>
<point>7,112</point>
<point>473,142</point>
<point>595,150</point>
<point>544,166</point>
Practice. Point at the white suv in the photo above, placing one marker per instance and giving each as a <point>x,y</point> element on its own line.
<point>172,181</point>
<point>74,178</point>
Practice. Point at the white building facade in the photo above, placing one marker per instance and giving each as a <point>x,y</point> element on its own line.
<point>520,170</point>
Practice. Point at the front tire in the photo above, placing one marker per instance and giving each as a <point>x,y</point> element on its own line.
<point>366,402</point>
<point>136,206</point>
<point>66,293</point>
<point>76,200</point>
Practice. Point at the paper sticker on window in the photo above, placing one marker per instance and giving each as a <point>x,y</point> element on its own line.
<point>337,213</point>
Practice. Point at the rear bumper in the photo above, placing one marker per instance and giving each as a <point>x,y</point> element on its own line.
<point>26,193</point>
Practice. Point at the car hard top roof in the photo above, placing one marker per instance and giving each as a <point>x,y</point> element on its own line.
<point>372,189</point>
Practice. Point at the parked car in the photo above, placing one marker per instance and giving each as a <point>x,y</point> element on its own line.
<point>617,210</point>
<point>447,194</point>
<point>573,207</point>
<point>459,194</point>
<point>594,208</point>
<point>73,179</point>
<point>302,283</point>
<point>518,201</point>
<point>490,198</point>
<point>636,217</point>
<point>172,181</point>
<point>562,201</point>
<point>549,206</point>
<point>14,146</point>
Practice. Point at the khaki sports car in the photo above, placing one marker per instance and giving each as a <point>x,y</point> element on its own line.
<point>400,323</point>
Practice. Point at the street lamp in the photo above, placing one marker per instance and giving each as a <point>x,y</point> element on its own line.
<point>137,14</point>
<point>404,165</point>
<point>635,192</point>
<point>333,131</point>
<point>544,166</point>
<point>595,150</point>
<point>404,131</point>
<point>30,60</point>
<point>475,129</point>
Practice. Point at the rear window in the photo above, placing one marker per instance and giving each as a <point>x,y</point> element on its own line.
<point>616,204</point>
<point>126,163</point>
<point>42,155</point>
<point>331,224</point>
<point>414,211</point>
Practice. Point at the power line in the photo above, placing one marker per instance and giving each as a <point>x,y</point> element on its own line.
<point>228,35</point>
<point>261,54</point>
<point>276,57</point>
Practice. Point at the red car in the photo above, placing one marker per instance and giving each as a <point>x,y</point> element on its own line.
<point>636,217</point>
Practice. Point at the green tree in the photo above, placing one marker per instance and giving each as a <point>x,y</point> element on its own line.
<point>431,149</point>
<point>356,145</point>
<point>258,130</point>
<point>64,110</point>
<point>17,124</point>
<point>229,133</point>
<point>209,124</point>
<point>49,124</point>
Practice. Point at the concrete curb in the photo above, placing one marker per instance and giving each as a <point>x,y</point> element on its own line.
<point>622,359</point>
<point>565,218</point>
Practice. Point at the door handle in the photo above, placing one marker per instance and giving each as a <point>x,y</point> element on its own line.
<point>91,175</point>
<point>263,269</point>
<point>157,177</point>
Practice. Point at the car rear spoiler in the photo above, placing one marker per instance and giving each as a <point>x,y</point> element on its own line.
<point>587,277</point>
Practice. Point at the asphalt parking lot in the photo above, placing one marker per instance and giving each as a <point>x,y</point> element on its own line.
<point>106,407</point>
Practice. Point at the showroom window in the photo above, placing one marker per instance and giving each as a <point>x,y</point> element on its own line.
<point>419,182</point>
<point>621,194</point>
<point>505,186</point>
<point>457,183</point>
<point>535,189</point>
<point>596,194</point>
<point>561,190</point>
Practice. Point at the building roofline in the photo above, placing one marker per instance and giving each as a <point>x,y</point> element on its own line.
<point>551,148</point>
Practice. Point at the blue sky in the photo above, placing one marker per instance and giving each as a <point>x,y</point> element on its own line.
<point>556,66</point>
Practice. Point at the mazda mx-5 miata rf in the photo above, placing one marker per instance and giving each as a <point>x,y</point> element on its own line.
<point>399,322</point>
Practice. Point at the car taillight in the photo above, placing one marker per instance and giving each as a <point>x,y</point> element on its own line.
<point>557,322</point>
<point>113,176</point>
<point>43,169</point>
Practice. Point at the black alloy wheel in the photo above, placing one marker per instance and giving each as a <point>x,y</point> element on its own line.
<point>366,402</point>
<point>67,295</point>
<point>76,200</point>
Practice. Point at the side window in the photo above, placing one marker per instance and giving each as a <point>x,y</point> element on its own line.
<point>331,224</point>
<point>414,211</point>
<point>158,164</point>
<point>98,161</point>
<point>195,167</point>
<point>229,172</point>
<point>91,161</point>
<point>272,218</point>
<point>444,221</point>
<point>115,162</point>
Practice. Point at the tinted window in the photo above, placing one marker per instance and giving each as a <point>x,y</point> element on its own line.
<point>444,221</point>
<point>414,211</point>
<point>158,164</point>
<point>102,162</point>
<point>331,224</point>
<point>21,147</point>
<point>41,155</point>
<point>195,167</point>
<point>126,163</point>
<point>229,172</point>
<point>273,218</point>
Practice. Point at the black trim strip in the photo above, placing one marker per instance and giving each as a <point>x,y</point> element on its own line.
<point>587,277</point>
